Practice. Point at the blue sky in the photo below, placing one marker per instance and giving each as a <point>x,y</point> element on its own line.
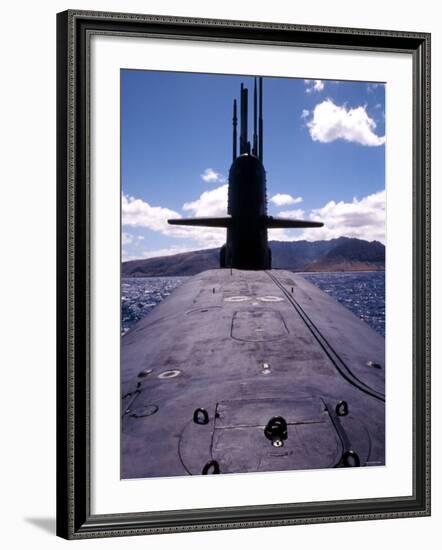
<point>324,155</point>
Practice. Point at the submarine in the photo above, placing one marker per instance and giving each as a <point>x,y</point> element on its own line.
<point>246,368</point>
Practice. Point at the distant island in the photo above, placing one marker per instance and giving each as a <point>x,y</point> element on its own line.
<point>342,254</point>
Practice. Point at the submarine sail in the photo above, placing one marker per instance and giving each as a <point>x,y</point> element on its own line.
<point>247,221</point>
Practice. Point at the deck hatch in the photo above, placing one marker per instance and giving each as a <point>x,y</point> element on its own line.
<point>258,325</point>
<point>239,443</point>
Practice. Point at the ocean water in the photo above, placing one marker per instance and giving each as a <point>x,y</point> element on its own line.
<point>141,294</point>
<point>362,293</point>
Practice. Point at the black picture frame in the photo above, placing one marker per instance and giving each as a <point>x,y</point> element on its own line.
<point>74,518</point>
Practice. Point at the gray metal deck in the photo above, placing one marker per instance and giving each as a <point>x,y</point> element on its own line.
<point>248,346</point>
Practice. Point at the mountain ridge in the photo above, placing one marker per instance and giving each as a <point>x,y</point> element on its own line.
<point>340,254</point>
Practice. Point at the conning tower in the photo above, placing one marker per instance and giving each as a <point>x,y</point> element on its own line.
<point>247,221</point>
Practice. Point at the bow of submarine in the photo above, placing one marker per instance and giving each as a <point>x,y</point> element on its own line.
<point>209,374</point>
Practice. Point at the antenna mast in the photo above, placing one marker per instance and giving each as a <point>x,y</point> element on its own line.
<point>235,124</point>
<point>261,135</point>
<point>244,105</point>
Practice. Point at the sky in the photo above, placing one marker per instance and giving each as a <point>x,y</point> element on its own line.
<point>324,156</point>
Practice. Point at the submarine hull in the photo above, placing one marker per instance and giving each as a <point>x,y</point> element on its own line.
<point>246,371</point>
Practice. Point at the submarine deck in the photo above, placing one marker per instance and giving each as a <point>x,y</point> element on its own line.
<point>246,347</point>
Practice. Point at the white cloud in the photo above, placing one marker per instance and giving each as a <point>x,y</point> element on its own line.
<point>362,219</point>
<point>314,86</point>
<point>305,113</point>
<point>284,199</point>
<point>331,122</point>
<point>372,87</point>
<point>292,214</point>
<point>280,235</point>
<point>210,176</point>
<point>138,213</point>
<point>210,203</point>
<point>126,238</point>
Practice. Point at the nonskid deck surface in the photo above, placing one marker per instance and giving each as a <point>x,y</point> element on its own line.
<point>248,347</point>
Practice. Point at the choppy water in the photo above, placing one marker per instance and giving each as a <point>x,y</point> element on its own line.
<point>140,295</point>
<point>361,293</point>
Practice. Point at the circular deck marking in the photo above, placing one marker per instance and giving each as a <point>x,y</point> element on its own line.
<point>270,299</point>
<point>237,299</point>
<point>169,374</point>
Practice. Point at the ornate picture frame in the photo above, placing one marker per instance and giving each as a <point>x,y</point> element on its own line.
<point>75,515</point>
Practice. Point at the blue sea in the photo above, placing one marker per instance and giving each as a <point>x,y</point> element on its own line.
<point>141,294</point>
<point>362,293</point>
